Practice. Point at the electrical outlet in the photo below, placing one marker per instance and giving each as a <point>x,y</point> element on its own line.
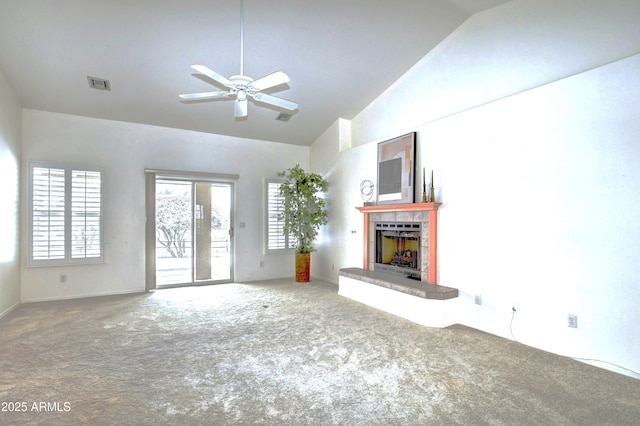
<point>572,321</point>
<point>478,299</point>
<point>262,263</point>
<point>63,278</point>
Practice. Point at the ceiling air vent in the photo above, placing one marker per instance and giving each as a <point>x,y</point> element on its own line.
<point>284,117</point>
<point>99,83</point>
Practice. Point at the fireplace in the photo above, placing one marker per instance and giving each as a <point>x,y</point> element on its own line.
<point>411,231</point>
<point>398,248</point>
<point>424,214</point>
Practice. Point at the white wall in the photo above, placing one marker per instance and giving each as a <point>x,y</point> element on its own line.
<point>509,49</point>
<point>125,150</point>
<point>10,111</point>
<point>340,241</point>
<point>539,210</point>
<point>528,116</point>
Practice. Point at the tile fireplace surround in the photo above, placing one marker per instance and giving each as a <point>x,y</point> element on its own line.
<point>424,213</point>
<point>423,302</point>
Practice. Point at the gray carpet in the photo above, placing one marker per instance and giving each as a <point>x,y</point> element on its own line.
<point>280,353</point>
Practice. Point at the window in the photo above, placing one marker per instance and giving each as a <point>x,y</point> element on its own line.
<point>65,215</point>
<point>276,240</point>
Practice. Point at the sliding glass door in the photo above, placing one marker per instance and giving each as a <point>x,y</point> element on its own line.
<point>213,232</point>
<point>193,221</point>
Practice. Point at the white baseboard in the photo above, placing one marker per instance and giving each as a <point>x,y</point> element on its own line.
<point>83,296</point>
<point>11,308</point>
<point>326,280</point>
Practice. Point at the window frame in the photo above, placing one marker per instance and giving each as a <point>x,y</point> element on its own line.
<point>287,241</point>
<point>68,258</point>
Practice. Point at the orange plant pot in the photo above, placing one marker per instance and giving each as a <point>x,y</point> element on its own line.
<point>303,267</point>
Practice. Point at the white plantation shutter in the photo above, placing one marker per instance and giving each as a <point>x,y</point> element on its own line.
<point>65,215</point>
<point>85,214</point>
<point>276,239</point>
<point>48,218</point>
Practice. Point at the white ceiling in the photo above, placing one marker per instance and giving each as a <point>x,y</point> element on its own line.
<point>339,54</point>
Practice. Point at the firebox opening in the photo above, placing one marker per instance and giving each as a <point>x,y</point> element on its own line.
<point>397,248</point>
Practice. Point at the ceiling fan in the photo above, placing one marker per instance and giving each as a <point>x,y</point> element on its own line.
<point>242,87</point>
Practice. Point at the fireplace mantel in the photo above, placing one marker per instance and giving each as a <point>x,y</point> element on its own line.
<point>430,209</point>
<point>413,207</point>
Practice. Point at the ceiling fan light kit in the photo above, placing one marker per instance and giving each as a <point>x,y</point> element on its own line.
<point>241,87</point>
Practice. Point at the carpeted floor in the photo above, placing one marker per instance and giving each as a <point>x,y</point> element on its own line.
<point>280,353</point>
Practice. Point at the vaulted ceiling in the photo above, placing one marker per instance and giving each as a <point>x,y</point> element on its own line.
<point>339,54</point>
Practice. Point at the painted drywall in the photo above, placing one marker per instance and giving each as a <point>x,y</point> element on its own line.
<point>536,167</point>
<point>10,111</point>
<point>340,241</point>
<point>538,212</point>
<point>124,151</point>
<point>505,50</point>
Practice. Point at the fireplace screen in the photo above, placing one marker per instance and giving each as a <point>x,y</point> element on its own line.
<point>398,248</point>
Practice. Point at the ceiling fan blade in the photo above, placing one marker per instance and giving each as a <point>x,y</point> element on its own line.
<point>204,96</point>
<point>271,80</point>
<point>275,101</point>
<point>212,75</point>
<point>241,108</point>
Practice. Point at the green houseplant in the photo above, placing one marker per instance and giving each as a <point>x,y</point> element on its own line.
<point>302,214</point>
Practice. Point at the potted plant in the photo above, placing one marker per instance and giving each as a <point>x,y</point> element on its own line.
<point>303,213</point>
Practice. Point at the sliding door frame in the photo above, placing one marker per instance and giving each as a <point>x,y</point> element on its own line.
<point>151,176</point>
